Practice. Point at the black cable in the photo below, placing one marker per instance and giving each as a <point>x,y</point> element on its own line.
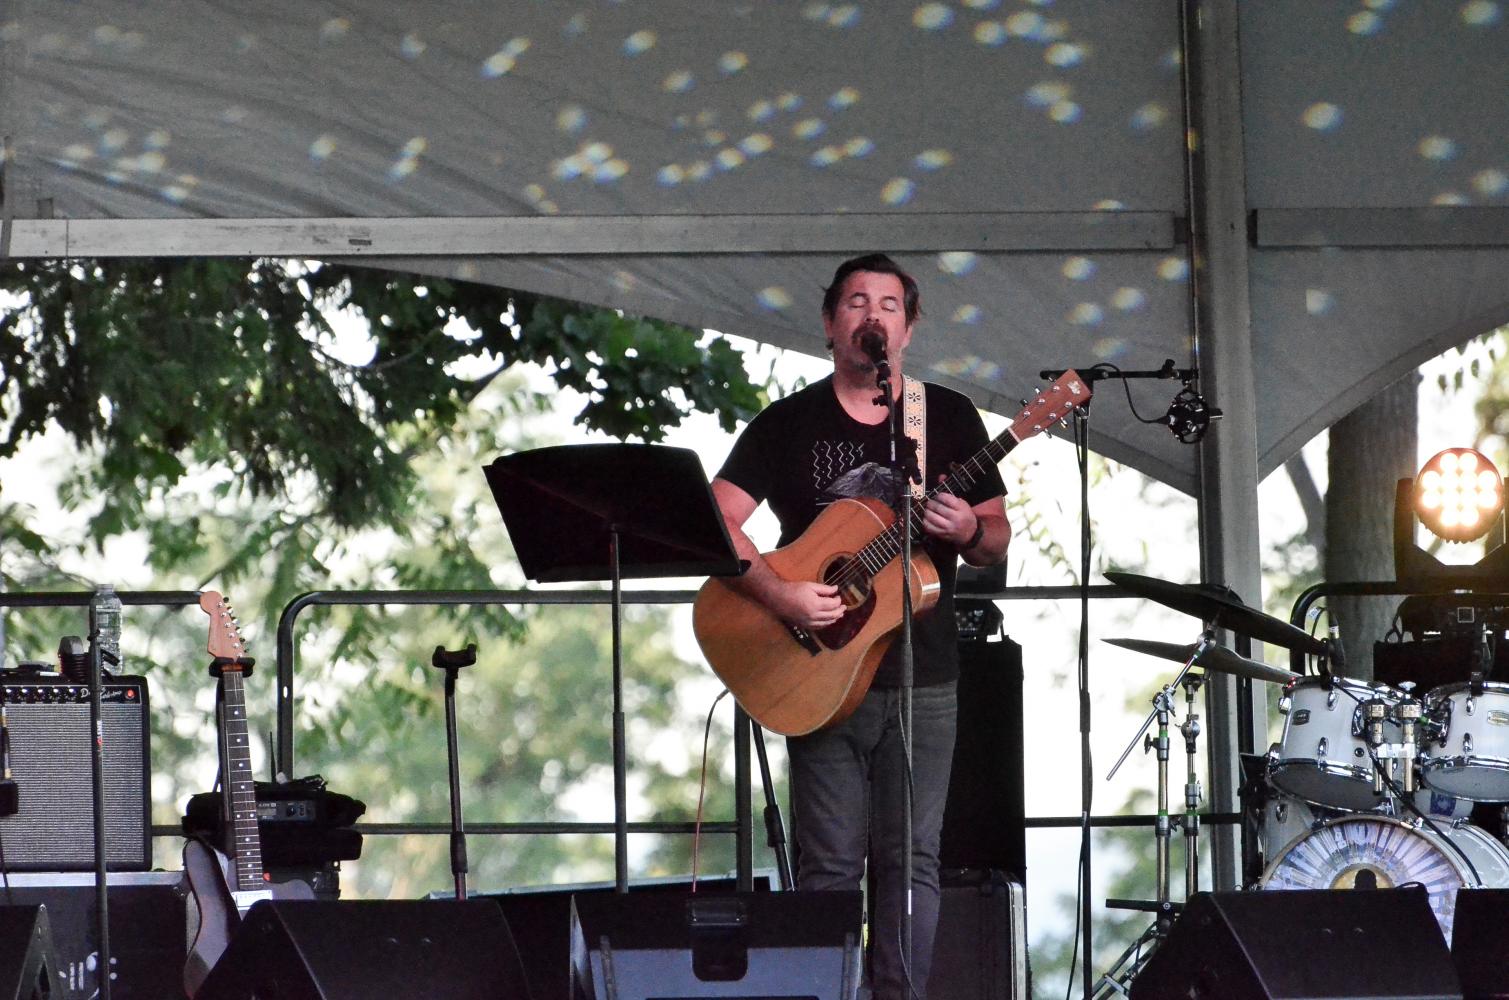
<point>1107,366</point>
<point>1087,783</point>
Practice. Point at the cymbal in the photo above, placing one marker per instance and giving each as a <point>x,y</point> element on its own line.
<point>1214,605</point>
<point>1217,658</point>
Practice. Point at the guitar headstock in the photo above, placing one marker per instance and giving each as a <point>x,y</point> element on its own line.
<point>1066,394</point>
<point>225,641</point>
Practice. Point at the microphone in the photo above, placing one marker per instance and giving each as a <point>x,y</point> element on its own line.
<point>873,344</point>
<point>1189,416</point>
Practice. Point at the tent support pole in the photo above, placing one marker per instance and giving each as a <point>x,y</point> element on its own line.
<point>1222,325</point>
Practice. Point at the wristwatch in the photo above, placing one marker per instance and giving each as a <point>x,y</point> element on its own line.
<point>975,538</point>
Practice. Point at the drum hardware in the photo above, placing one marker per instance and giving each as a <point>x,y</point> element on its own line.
<point>1163,707</point>
<point>1190,821</point>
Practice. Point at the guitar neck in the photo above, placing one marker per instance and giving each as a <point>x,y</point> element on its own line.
<point>1053,404</point>
<point>240,788</point>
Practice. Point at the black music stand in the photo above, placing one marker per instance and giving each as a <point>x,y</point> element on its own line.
<point>612,512</point>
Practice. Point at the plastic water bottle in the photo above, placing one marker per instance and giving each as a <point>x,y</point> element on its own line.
<point>105,618</point>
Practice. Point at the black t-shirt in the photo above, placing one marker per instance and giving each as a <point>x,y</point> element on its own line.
<point>804,451</point>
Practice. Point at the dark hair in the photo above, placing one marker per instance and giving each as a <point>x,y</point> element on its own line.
<point>877,263</point>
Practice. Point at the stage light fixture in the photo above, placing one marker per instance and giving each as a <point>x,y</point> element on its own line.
<point>1459,495</point>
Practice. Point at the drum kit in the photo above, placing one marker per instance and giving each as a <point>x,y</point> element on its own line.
<point>1370,785</point>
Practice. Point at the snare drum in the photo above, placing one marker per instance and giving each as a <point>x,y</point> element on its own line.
<point>1384,852</point>
<point>1470,756</point>
<point>1323,755</point>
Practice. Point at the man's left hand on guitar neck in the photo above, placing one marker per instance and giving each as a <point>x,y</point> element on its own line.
<point>949,518</point>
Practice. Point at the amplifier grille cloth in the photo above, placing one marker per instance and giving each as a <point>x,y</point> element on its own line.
<point>51,762</point>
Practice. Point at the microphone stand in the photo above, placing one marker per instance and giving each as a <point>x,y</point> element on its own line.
<point>97,656</point>
<point>904,510</point>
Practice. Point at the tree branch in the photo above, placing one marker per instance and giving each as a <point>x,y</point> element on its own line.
<point>1310,501</point>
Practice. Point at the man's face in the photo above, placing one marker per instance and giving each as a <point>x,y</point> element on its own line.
<point>870,301</point>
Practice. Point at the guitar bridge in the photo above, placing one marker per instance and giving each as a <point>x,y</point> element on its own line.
<point>804,639</point>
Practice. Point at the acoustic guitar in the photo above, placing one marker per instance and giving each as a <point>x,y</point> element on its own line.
<point>224,886</point>
<point>793,680</point>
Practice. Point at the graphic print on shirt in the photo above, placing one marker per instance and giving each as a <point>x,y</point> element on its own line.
<point>871,479</point>
<point>831,459</point>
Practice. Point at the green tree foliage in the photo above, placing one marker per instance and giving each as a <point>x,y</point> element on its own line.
<point>167,363</point>
<point>220,430</point>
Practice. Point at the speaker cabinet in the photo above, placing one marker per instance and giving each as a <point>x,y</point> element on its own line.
<point>980,951</point>
<point>1480,943</point>
<point>52,761</point>
<point>766,945</point>
<point>147,923</point>
<point>540,919</point>
<point>26,965</point>
<point>983,821</point>
<point>369,950</point>
<point>1361,944</point>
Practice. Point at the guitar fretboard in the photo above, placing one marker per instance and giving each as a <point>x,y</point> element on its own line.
<point>240,787</point>
<point>1049,407</point>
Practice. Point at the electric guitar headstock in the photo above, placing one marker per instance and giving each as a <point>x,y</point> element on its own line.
<point>225,643</point>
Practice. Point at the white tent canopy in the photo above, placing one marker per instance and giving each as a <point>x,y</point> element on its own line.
<point>708,162</point>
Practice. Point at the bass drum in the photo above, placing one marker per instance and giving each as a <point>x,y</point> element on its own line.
<point>1381,852</point>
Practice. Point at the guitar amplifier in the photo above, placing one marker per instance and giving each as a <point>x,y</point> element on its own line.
<point>52,762</point>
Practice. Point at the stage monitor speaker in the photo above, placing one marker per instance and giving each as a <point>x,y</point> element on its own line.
<point>540,919</point>
<point>1480,943</point>
<point>27,971</point>
<point>52,761</point>
<point>369,950</point>
<point>147,920</point>
<point>1362,944</point>
<point>983,821</point>
<point>775,945</point>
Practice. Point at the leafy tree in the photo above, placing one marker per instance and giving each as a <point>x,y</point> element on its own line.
<point>217,413</point>
<point>239,365</point>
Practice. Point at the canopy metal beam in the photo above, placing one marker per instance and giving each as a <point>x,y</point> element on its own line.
<point>578,235</point>
<point>1445,226</point>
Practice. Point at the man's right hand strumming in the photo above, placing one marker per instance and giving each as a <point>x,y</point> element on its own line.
<point>806,603</point>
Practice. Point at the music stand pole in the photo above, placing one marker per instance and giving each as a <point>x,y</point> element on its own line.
<point>609,512</point>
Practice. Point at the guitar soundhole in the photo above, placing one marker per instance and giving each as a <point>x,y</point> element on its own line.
<point>856,591</point>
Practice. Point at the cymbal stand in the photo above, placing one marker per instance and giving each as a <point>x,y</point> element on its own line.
<point>1191,819</point>
<point>1163,703</point>
<point>1117,980</point>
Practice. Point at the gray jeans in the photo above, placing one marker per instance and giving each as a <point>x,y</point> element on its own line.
<point>846,788</point>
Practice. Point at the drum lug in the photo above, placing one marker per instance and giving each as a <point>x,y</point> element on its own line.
<point>1471,705</point>
<point>1323,748</point>
<point>1331,697</point>
<point>1284,704</point>
<point>1466,744</point>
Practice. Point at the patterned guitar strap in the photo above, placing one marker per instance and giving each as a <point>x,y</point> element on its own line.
<point>914,424</point>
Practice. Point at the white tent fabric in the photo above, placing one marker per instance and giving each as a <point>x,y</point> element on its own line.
<point>959,121</point>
